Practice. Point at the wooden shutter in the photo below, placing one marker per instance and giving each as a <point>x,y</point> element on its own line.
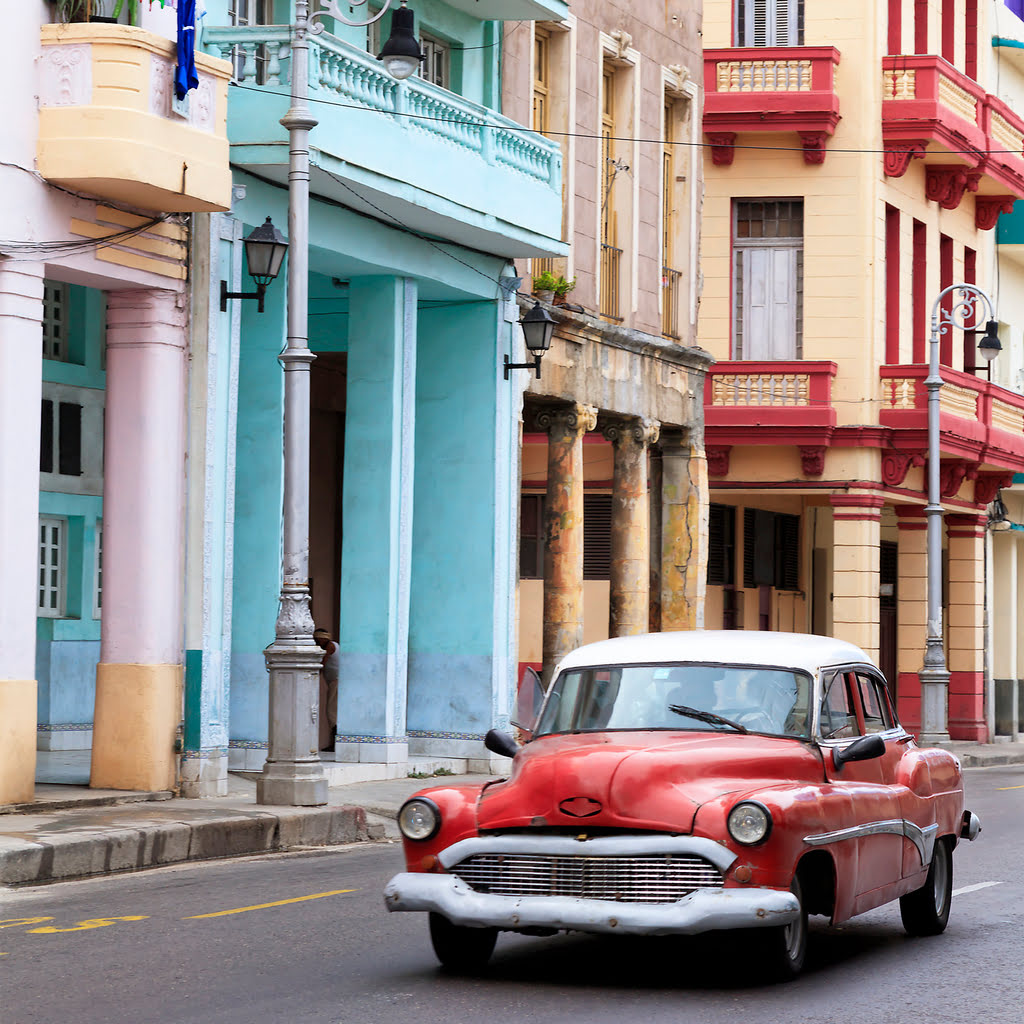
<point>787,552</point>
<point>721,545</point>
<point>748,548</point>
<point>769,303</point>
<point>46,436</point>
<point>597,536</point>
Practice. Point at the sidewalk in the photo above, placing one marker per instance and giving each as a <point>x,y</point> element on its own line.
<point>77,832</point>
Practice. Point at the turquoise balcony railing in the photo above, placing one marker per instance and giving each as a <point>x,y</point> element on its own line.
<point>422,155</point>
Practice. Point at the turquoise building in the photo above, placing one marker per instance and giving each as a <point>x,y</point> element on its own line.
<point>422,194</point>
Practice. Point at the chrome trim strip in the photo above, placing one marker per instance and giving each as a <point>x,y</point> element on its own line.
<point>701,911</point>
<point>602,846</point>
<point>922,838</point>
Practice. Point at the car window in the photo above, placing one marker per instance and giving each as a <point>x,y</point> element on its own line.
<point>761,699</point>
<point>838,718</point>
<point>877,716</point>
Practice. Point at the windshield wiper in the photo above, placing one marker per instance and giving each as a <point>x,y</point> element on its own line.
<point>706,716</point>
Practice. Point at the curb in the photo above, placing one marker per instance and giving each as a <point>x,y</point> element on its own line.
<point>57,857</point>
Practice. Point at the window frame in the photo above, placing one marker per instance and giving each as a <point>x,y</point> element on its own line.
<point>60,523</point>
<point>56,297</point>
<point>745,23</point>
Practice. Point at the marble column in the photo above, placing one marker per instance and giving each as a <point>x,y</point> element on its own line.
<point>139,677</point>
<point>21,314</point>
<point>628,609</point>
<point>966,627</point>
<point>563,531</point>
<point>911,611</point>
<point>856,540</point>
<point>684,529</point>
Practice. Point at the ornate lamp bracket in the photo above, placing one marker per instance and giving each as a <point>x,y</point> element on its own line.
<point>330,8</point>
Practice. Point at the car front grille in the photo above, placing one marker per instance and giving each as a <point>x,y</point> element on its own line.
<point>653,878</point>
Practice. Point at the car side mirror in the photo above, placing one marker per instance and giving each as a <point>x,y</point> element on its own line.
<point>529,698</point>
<point>864,748</point>
<point>499,742</point>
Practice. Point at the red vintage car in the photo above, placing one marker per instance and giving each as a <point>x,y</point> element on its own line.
<point>678,783</point>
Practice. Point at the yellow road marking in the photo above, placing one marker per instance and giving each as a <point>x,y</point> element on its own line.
<point>84,926</point>
<point>264,906</point>
<point>1001,789</point>
<point>15,922</point>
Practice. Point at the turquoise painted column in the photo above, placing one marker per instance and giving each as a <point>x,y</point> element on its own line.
<point>213,399</point>
<point>377,511</point>
<point>257,540</point>
<point>462,586</point>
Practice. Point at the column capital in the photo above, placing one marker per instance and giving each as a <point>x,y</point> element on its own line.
<point>856,506</point>
<point>624,430</point>
<point>132,310</point>
<point>970,524</point>
<point>565,421</point>
<point>680,442</point>
<point>910,517</point>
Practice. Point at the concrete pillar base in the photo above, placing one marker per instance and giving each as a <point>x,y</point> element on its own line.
<point>17,740</point>
<point>138,708</point>
<point>292,784</point>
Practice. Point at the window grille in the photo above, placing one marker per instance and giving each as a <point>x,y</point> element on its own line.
<point>52,540</point>
<point>55,308</point>
<point>97,589</point>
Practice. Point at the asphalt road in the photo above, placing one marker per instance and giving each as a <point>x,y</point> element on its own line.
<point>305,938</point>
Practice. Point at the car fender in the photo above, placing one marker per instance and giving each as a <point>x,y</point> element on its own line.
<point>457,805</point>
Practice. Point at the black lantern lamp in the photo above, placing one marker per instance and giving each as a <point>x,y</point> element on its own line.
<point>401,54</point>
<point>990,346</point>
<point>538,326</point>
<point>264,253</point>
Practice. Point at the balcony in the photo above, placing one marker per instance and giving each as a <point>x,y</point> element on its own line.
<point>109,125</point>
<point>980,423</point>
<point>969,140</point>
<point>770,89</point>
<point>409,152</point>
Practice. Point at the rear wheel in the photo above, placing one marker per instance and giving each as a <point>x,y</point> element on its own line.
<point>460,948</point>
<point>783,949</point>
<point>926,910</point>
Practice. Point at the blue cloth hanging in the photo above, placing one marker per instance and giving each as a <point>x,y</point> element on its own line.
<point>185,76</point>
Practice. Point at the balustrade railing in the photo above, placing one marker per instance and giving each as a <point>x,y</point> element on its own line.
<point>611,259</point>
<point>671,290</point>
<point>343,74</point>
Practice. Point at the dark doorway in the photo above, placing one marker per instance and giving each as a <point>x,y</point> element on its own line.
<point>887,598</point>
<point>326,465</point>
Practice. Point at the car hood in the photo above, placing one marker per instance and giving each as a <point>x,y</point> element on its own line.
<point>638,780</point>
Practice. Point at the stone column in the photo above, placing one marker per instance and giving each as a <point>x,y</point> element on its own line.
<point>911,611</point>
<point>684,529</point>
<point>21,372</point>
<point>628,609</point>
<point>1005,633</point>
<point>139,677</point>
<point>563,531</point>
<point>856,537</point>
<point>966,627</point>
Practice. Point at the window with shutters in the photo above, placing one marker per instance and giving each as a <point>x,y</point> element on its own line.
<point>97,575</point>
<point>55,327</point>
<point>541,80</point>
<point>60,436</point>
<point>250,12</point>
<point>531,536</point>
<point>769,22</point>
<point>52,566</point>
<point>771,549</point>
<point>721,545</point>
<point>768,279</point>
<point>436,65</point>
<point>597,536</point>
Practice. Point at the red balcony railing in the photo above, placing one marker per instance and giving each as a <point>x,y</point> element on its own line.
<point>969,140</point>
<point>978,421</point>
<point>748,402</point>
<point>770,89</point>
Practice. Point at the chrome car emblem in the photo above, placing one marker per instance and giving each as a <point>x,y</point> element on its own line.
<point>579,807</point>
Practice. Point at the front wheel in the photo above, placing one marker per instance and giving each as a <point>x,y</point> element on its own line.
<point>782,950</point>
<point>460,948</point>
<point>926,910</point>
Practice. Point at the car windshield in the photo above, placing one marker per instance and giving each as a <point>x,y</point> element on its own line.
<point>759,699</point>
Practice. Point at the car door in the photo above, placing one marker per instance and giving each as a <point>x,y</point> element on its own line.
<point>875,823</point>
<point>916,811</point>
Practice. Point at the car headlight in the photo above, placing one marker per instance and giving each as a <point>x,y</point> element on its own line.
<point>749,823</point>
<point>419,818</point>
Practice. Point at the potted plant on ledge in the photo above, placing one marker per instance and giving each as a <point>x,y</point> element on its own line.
<point>550,287</point>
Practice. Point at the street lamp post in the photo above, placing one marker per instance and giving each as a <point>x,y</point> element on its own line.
<point>934,674</point>
<point>292,773</point>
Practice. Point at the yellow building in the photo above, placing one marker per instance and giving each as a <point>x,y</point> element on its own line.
<point>858,162</point>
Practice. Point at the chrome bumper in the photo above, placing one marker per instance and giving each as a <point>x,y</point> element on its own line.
<point>701,911</point>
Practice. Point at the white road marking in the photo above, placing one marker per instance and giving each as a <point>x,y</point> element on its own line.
<point>974,888</point>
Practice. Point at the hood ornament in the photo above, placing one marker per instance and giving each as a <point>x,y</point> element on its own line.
<point>579,807</point>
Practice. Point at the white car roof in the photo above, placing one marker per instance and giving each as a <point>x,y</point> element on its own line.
<point>745,647</point>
